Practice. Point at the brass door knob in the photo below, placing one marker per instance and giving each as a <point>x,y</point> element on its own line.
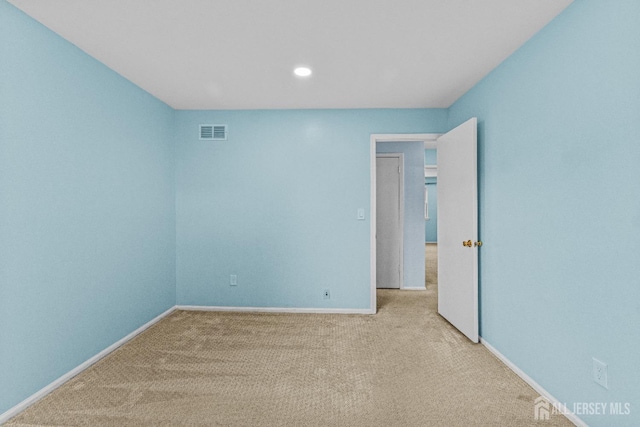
<point>467,244</point>
<point>478,243</point>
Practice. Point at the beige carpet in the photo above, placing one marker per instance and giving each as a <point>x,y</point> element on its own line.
<point>405,366</point>
<point>431,266</point>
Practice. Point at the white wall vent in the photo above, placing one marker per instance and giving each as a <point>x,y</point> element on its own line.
<point>213,132</point>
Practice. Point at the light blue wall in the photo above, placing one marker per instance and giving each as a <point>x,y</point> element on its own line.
<point>431,157</point>
<point>413,246</point>
<point>559,156</point>
<point>277,203</point>
<point>431,226</point>
<point>87,207</point>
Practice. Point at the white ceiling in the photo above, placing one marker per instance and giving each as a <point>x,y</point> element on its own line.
<point>240,54</point>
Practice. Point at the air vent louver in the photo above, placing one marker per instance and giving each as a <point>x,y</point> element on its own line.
<point>213,132</point>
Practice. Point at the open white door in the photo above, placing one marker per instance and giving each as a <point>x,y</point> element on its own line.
<point>458,228</point>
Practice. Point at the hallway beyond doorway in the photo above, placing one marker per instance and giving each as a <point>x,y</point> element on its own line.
<point>430,265</point>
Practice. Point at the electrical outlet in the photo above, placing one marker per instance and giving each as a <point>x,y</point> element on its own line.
<point>600,372</point>
<point>233,280</point>
<point>326,294</point>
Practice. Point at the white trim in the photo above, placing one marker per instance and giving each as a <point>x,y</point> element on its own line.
<point>400,157</point>
<point>276,309</point>
<point>406,137</point>
<point>431,144</point>
<point>417,288</point>
<point>534,385</point>
<point>431,171</point>
<point>78,369</point>
<point>372,227</point>
<point>373,140</point>
<point>426,203</point>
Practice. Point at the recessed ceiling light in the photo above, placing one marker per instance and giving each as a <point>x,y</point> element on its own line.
<point>302,72</point>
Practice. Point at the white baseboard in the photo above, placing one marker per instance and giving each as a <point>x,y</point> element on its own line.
<point>417,288</point>
<point>277,309</point>
<point>78,369</point>
<point>537,387</point>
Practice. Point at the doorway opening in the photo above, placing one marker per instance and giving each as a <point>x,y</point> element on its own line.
<point>414,250</point>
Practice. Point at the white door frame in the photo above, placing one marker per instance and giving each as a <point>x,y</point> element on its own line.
<point>400,157</point>
<point>429,140</point>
